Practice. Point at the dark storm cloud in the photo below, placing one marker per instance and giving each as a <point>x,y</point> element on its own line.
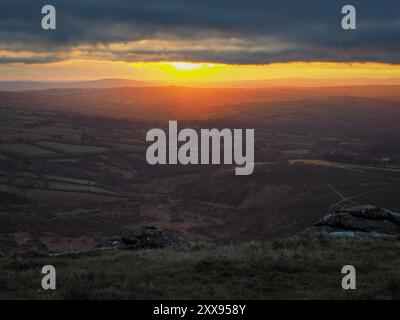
<point>29,60</point>
<point>306,30</point>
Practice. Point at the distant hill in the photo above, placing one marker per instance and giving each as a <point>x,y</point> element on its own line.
<point>45,85</point>
<point>173,102</point>
<point>299,83</point>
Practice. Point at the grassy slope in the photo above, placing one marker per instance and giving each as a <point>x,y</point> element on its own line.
<point>25,150</point>
<point>297,268</point>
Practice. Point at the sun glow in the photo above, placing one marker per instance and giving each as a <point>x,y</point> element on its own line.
<point>293,73</point>
<point>178,71</point>
<point>186,66</point>
<point>205,73</point>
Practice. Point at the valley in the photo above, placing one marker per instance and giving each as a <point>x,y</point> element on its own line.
<point>71,177</point>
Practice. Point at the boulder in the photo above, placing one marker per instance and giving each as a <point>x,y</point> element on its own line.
<point>360,222</point>
<point>151,238</point>
<point>113,242</point>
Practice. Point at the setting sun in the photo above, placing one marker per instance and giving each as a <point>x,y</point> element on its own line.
<point>186,66</point>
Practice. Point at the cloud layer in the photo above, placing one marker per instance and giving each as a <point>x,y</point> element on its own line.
<point>234,32</point>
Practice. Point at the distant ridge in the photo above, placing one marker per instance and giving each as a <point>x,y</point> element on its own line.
<point>45,85</point>
<point>295,83</point>
<point>250,84</point>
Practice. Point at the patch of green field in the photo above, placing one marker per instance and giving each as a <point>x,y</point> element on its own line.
<point>25,150</point>
<point>129,147</point>
<point>63,186</point>
<point>70,180</point>
<point>10,123</point>
<point>20,174</point>
<point>327,138</point>
<point>297,268</point>
<point>58,129</point>
<point>285,139</point>
<point>27,175</point>
<point>4,179</point>
<point>341,165</point>
<point>54,183</point>
<point>291,136</point>
<point>295,142</point>
<point>8,188</point>
<point>72,148</point>
<point>67,197</point>
<point>33,184</point>
<point>297,152</point>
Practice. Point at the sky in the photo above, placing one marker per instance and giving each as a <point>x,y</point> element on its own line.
<point>207,40</point>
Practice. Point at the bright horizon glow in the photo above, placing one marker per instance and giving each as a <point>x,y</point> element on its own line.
<point>185,72</point>
<point>185,66</point>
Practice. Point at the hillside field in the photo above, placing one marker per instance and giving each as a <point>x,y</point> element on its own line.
<point>297,268</point>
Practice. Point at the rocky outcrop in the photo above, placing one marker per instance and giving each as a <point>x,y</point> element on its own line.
<point>151,238</point>
<point>359,221</point>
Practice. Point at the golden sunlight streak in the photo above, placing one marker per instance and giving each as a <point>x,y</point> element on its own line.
<point>192,73</point>
<point>185,66</point>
